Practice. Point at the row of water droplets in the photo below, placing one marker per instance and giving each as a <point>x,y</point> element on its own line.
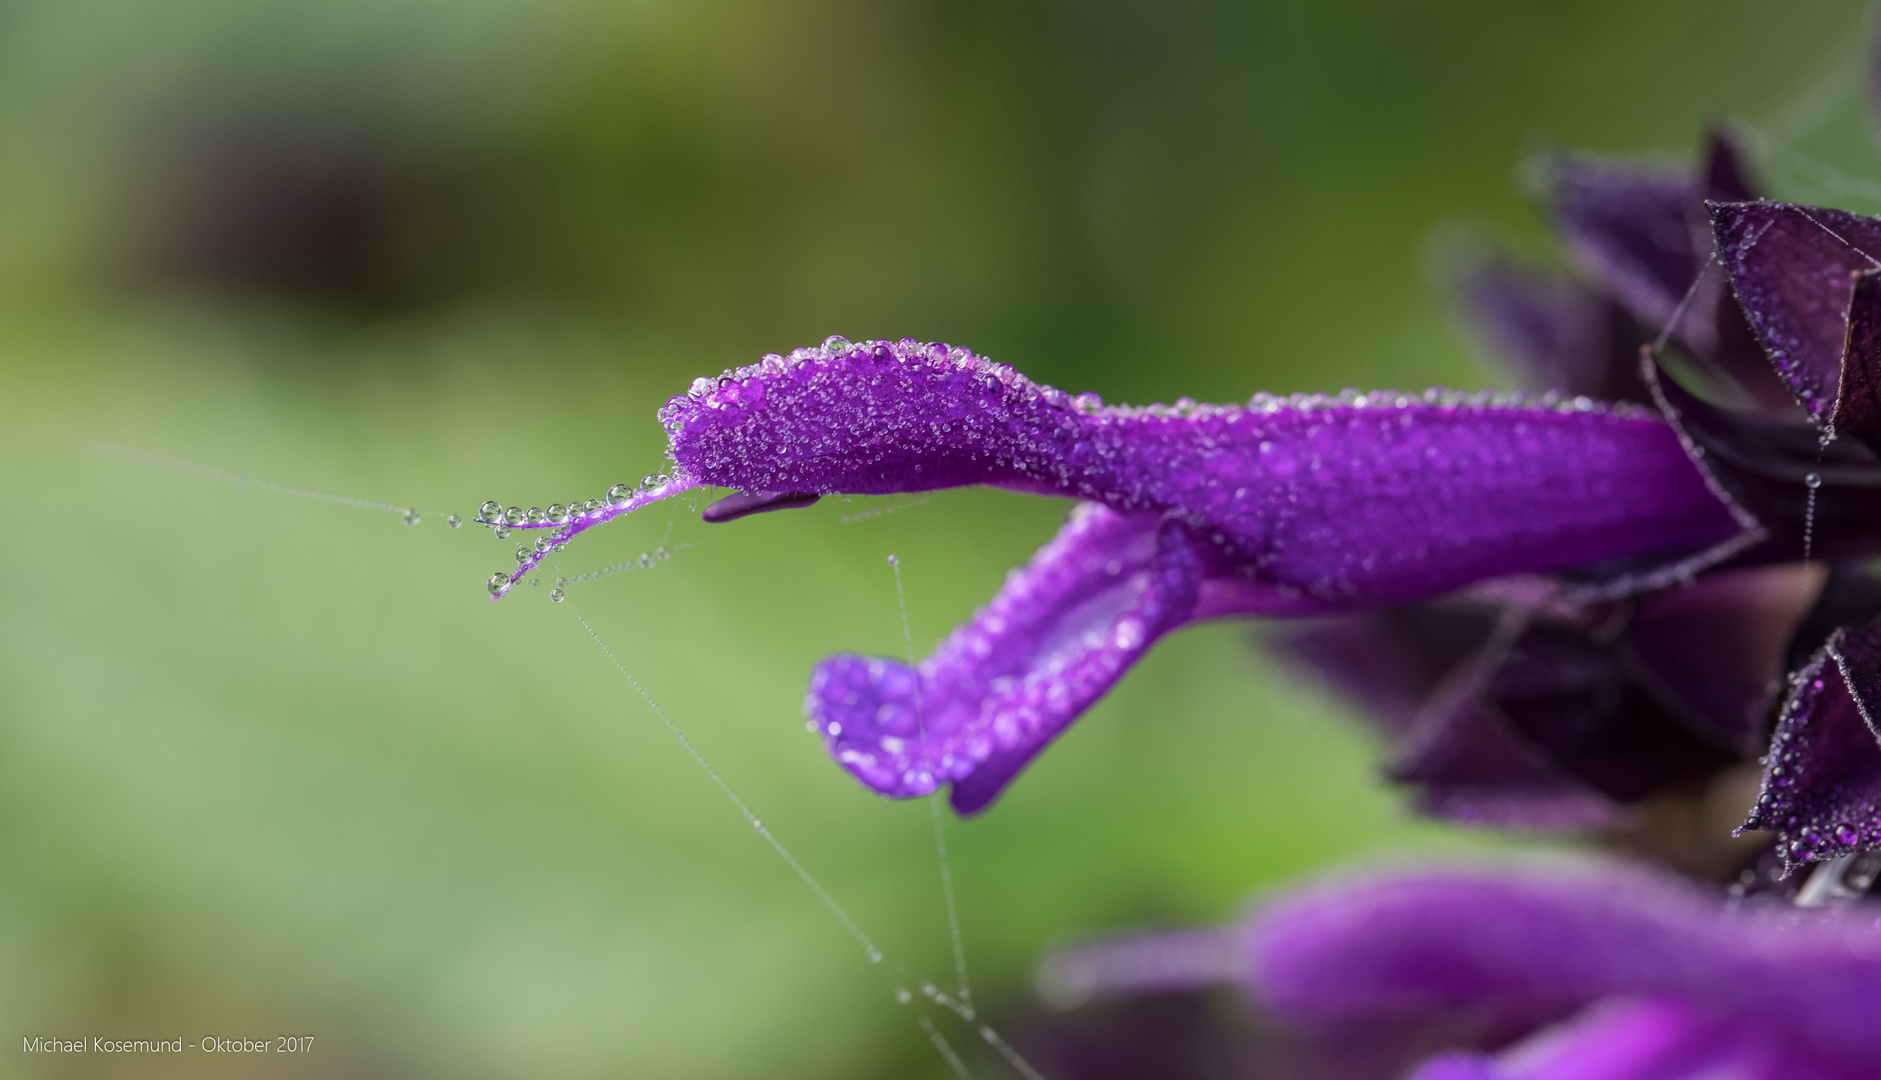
<point>501,521</point>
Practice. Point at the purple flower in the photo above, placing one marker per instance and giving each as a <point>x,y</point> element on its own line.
<point>1281,508</point>
<point>1658,980</point>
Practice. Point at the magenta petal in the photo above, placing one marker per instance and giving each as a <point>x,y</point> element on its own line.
<point>1822,781</point>
<point>1543,942</point>
<point>1054,640</point>
<point>1792,268</point>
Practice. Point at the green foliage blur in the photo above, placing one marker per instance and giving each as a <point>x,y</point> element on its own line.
<point>277,766</point>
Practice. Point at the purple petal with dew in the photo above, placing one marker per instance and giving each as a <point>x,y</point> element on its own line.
<point>1714,653</point>
<point>1054,640</point>
<point>1310,504</point>
<point>1639,1040</point>
<point>1549,942</point>
<point>1792,268</point>
<point>1822,779</point>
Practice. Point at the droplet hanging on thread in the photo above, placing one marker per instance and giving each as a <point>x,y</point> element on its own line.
<point>1812,481</point>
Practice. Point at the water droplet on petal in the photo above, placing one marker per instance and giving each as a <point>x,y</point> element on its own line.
<point>542,545</point>
<point>558,514</point>
<point>538,516</point>
<point>453,521</point>
<point>591,505</point>
<point>647,482</point>
<point>522,555</point>
<point>515,515</point>
<point>619,494</point>
<point>502,532</point>
<point>499,583</point>
<point>490,513</point>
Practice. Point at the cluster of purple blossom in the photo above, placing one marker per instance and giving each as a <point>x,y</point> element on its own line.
<point>1584,608</point>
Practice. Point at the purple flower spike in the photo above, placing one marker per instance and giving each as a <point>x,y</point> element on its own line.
<point>1822,781</point>
<point>1763,980</point>
<point>1793,269</point>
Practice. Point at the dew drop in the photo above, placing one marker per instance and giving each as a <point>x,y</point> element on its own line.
<point>893,561</point>
<point>522,555</point>
<point>542,545</point>
<point>874,955</point>
<point>490,513</point>
<point>836,343</point>
<point>619,494</point>
<point>538,516</point>
<point>1846,834</point>
<point>556,594</point>
<point>502,532</point>
<point>1812,481</point>
<point>591,505</point>
<point>758,825</point>
<point>558,514</point>
<point>499,583</point>
<point>662,552</point>
<point>929,989</point>
<point>902,995</point>
<point>515,515</point>
<point>411,516</point>
<point>647,482</point>
<point>453,521</point>
<point>646,560</point>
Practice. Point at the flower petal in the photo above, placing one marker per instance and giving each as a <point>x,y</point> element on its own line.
<point>1318,504</point>
<point>1632,1040</point>
<point>1054,640</point>
<point>1792,269</point>
<point>1822,782</point>
<point>1544,942</point>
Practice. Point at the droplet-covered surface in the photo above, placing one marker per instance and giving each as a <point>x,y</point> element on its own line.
<point>1358,500</point>
<point>1822,780</point>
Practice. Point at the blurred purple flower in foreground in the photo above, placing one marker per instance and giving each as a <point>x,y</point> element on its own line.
<point>1599,605</point>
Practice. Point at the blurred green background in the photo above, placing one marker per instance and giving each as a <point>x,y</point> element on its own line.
<point>276,766</point>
